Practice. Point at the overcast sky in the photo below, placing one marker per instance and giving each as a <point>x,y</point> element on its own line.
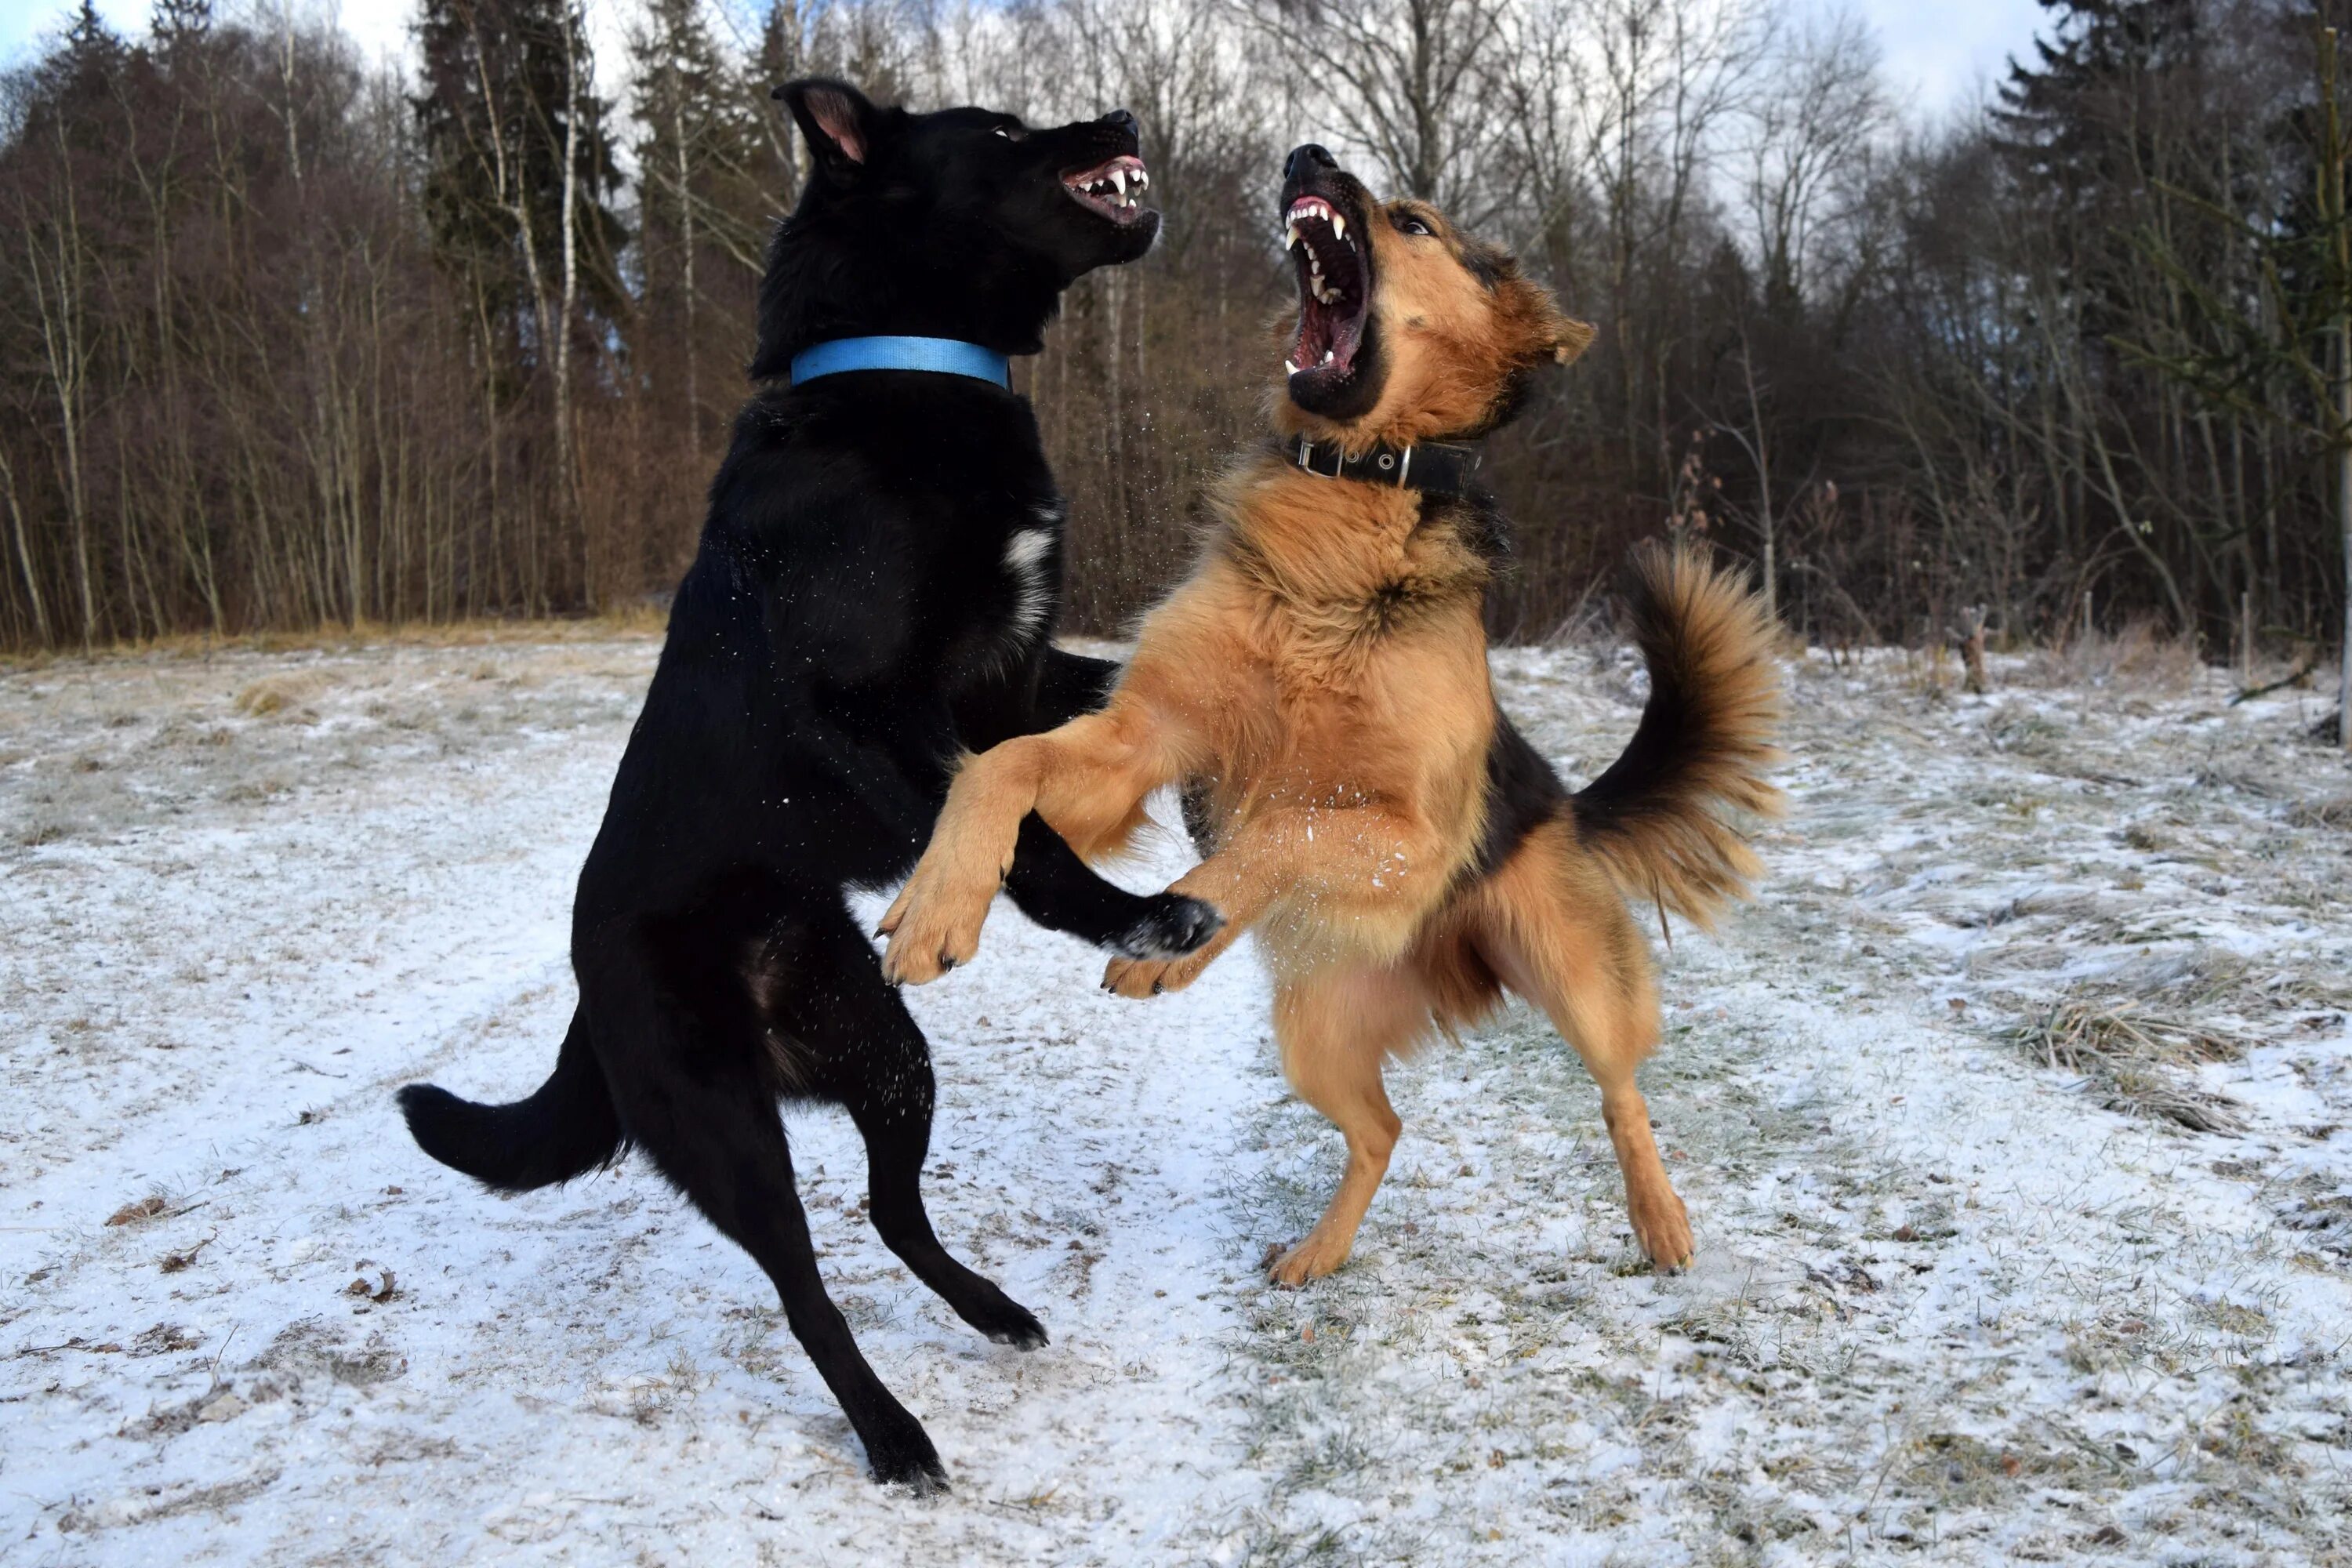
<point>1939,55</point>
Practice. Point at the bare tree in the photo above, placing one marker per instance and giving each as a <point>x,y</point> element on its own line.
<point>1813,120</point>
<point>1401,80</point>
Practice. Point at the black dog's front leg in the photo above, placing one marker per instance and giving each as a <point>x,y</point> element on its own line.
<point>1069,684</point>
<point>1053,887</point>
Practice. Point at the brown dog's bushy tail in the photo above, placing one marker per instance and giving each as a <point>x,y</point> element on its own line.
<point>1704,740</point>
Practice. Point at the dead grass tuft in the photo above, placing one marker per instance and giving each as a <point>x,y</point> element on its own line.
<point>2140,657</point>
<point>2333,812</point>
<point>2138,1053</point>
<point>277,693</point>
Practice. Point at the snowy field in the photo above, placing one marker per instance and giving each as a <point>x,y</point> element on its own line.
<point>2015,1123</point>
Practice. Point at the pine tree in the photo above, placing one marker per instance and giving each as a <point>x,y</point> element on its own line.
<point>76,80</point>
<point>2076,127</point>
<point>495,117</point>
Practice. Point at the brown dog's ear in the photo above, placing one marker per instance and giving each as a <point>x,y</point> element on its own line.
<point>1570,340</point>
<point>1548,333</point>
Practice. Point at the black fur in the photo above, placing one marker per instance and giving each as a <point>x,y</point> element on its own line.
<point>1522,794</point>
<point>1669,732</point>
<point>852,620</point>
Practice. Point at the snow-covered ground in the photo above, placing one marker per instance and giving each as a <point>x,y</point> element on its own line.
<point>2014,1120</point>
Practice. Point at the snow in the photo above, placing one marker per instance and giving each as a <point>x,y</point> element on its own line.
<point>1953,1302</point>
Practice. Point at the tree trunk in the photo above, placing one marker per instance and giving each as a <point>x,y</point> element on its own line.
<point>567,474</point>
<point>2344,508</point>
<point>1764,519</point>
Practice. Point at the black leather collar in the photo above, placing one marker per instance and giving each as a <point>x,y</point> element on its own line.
<point>1435,467</point>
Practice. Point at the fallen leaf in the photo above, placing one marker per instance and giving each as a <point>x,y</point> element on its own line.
<point>132,1214</point>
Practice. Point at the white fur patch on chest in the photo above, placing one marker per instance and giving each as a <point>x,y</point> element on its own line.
<point>1024,562</point>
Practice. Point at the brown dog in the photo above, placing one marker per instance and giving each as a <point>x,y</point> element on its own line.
<point>1319,686</point>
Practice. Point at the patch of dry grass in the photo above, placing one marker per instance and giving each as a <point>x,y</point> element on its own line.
<point>2138,1053</point>
<point>2141,657</point>
<point>2334,812</point>
<point>643,617</point>
<point>279,693</point>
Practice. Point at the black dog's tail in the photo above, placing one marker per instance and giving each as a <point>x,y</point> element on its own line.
<point>565,1130</point>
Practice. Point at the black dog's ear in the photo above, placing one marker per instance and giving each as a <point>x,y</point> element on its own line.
<point>838,121</point>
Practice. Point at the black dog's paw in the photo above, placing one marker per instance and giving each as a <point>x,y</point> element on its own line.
<point>998,1315</point>
<point>907,1460</point>
<point>1174,926</point>
<point>1016,1326</point>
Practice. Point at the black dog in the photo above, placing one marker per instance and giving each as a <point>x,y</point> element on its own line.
<point>880,569</point>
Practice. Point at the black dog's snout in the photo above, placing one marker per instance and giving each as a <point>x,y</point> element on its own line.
<point>1307,159</point>
<point>1124,121</point>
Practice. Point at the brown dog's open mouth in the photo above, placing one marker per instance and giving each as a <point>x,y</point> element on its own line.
<point>1113,189</point>
<point>1334,292</point>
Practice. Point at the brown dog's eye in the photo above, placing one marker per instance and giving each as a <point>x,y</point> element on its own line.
<point>1408,224</point>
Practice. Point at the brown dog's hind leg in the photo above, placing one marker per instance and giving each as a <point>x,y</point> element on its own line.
<point>1556,930</point>
<point>1336,1028</point>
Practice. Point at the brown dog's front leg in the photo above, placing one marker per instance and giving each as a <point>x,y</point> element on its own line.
<point>1084,779</point>
<point>934,923</point>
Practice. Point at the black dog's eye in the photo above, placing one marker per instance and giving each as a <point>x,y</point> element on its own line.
<point>1415,225</point>
<point>1011,133</point>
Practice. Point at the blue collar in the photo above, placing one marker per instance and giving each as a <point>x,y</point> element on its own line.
<point>947,356</point>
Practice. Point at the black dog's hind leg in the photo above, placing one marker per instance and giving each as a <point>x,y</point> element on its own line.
<point>703,1108</point>
<point>853,1035</point>
<point>1061,892</point>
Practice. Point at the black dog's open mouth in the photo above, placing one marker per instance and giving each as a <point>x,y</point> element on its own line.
<point>1113,189</point>
<point>1334,292</point>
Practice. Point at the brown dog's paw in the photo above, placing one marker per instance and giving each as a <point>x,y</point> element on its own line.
<point>1309,1260</point>
<point>1661,1226</point>
<point>933,927</point>
<point>1142,977</point>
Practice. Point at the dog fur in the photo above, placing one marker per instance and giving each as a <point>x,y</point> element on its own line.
<point>873,591</point>
<point>1320,686</point>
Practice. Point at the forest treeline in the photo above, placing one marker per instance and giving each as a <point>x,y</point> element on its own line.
<point>288,339</point>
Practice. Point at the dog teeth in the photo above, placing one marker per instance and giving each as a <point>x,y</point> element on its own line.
<point>1290,366</point>
<point>1326,356</point>
<point>1338,226</point>
<point>1290,236</point>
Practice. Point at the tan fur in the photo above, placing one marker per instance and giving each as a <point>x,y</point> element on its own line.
<point>1320,679</point>
<point>1455,351</point>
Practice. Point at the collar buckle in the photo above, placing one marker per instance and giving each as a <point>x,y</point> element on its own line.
<point>1306,460</point>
